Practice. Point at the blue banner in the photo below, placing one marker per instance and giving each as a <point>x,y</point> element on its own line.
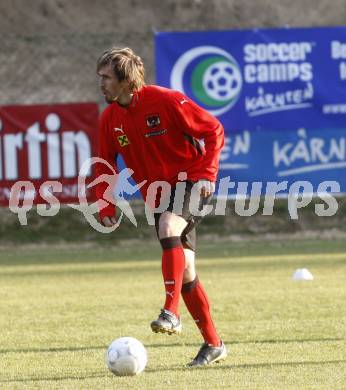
<point>280,94</point>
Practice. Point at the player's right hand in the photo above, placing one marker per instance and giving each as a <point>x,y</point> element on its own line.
<point>109,221</point>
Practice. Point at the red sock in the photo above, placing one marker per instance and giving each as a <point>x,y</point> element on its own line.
<point>196,301</point>
<point>173,265</point>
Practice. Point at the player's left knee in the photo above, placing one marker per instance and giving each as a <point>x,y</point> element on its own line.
<point>190,271</point>
<point>189,276</point>
<point>171,225</point>
<point>167,229</point>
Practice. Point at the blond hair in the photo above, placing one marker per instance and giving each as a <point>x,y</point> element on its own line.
<point>125,64</point>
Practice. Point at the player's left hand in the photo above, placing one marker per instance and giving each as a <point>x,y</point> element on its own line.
<point>206,187</point>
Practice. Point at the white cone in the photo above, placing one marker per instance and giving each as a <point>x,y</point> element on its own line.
<point>302,274</point>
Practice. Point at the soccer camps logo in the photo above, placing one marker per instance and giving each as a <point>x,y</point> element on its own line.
<point>210,75</point>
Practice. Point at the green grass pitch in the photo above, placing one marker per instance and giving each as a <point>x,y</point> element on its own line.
<point>61,306</point>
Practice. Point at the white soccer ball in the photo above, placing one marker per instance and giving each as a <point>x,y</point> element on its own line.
<point>126,356</point>
<point>222,81</point>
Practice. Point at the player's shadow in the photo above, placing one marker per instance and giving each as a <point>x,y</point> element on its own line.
<point>228,366</point>
<point>268,341</point>
<point>163,345</point>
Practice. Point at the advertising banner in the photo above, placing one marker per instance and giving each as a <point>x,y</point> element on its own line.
<point>41,145</point>
<point>280,94</point>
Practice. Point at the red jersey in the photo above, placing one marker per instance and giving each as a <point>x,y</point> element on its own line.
<point>158,135</point>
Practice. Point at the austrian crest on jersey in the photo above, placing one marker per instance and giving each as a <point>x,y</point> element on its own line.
<point>153,120</point>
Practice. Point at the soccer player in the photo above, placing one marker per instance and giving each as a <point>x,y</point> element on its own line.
<point>158,131</point>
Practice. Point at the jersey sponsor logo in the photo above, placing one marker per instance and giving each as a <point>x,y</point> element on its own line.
<point>123,140</point>
<point>153,120</point>
<point>119,129</point>
<point>154,133</point>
